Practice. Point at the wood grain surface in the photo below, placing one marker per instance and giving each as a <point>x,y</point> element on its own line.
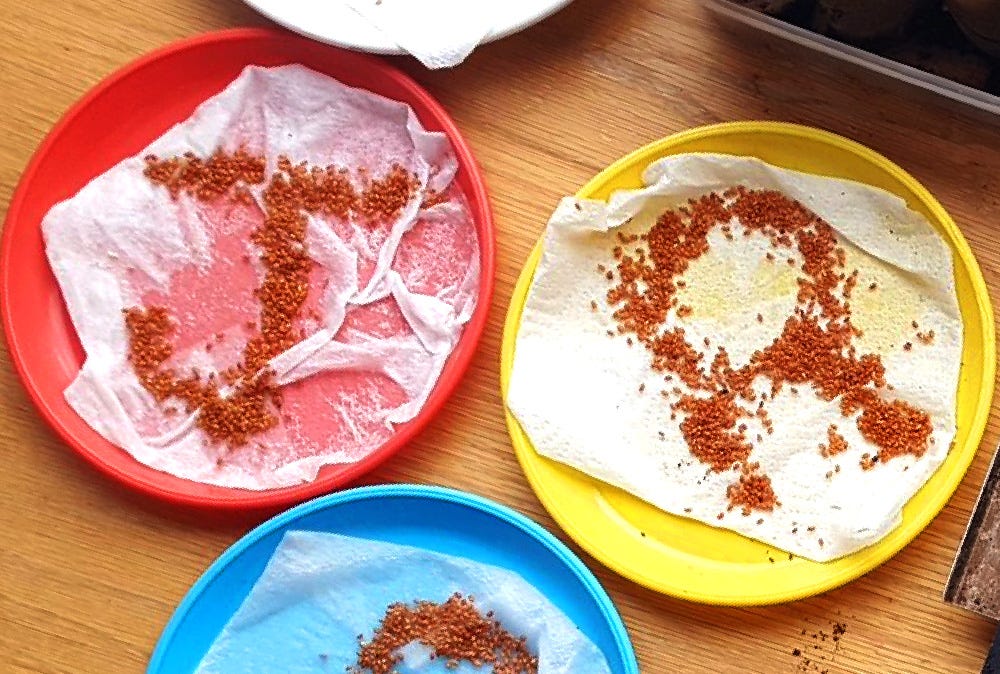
<point>89,574</point>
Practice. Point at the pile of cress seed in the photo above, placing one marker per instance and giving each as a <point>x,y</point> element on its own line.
<point>814,348</point>
<point>292,192</point>
<point>454,630</point>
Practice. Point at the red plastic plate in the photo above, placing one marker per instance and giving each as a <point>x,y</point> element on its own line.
<point>117,119</point>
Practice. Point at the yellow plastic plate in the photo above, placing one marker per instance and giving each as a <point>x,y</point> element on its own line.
<point>691,560</point>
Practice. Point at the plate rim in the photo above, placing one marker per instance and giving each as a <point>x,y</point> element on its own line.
<point>977,423</point>
<point>506,514</point>
<point>389,48</point>
<point>227,499</point>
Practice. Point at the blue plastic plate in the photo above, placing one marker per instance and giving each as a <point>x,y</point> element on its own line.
<point>443,520</point>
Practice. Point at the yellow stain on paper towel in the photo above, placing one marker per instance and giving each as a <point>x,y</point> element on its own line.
<point>716,288</point>
<point>883,314</point>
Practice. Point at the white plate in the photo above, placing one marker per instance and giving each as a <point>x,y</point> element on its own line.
<point>333,22</point>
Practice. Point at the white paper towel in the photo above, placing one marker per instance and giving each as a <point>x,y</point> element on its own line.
<point>320,591</point>
<point>439,33</point>
<point>575,390</point>
<point>389,303</point>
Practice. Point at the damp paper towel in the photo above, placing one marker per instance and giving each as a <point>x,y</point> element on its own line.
<point>386,305</point>
<point>575,390</point>
<point>439,33</point>
<point>320,591</point>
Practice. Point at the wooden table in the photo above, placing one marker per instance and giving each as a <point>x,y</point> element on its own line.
<point>89,574</point>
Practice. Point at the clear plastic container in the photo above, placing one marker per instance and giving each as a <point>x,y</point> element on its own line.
<point>880,64</point>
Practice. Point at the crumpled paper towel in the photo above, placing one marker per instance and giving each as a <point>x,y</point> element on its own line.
<point>389,303</point>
